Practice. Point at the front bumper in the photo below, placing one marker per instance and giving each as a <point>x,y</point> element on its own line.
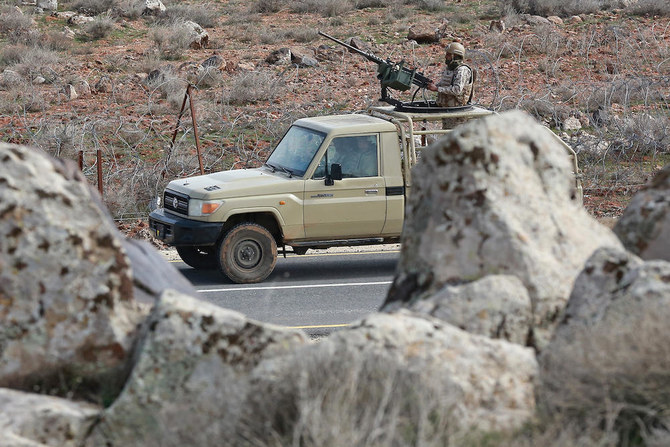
<point>175,230</point>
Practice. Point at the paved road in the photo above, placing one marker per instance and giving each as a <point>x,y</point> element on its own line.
<point>318,292</point>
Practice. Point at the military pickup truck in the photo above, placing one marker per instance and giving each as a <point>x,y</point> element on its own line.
<point>338,180</point>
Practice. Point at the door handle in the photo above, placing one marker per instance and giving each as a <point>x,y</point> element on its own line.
<point>371,191</point>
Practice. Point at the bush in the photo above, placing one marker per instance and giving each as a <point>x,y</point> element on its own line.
<point>427,5</point>
<point>650,7</point>
<point>17,27</point>
<point>94,7</point>
<point>253,87</point>
<point>562,8</point>
<point>327,8</point>
<point>205,15</point>
<point>171,40</point>
<point>302,34</point>
<point>100,27</point>
<point>268,6</point>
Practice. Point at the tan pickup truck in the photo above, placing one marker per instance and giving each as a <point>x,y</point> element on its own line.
<point>338,180</point>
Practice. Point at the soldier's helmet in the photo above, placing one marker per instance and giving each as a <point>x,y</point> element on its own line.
<point>456,49</point>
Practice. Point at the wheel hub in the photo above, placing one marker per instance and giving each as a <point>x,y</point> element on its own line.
<point>248,254</point>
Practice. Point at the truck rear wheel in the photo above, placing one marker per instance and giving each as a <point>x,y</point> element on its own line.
<point>247,254</point>
<point>200,258</point>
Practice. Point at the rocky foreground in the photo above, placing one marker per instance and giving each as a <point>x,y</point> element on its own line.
<point>510,304</point>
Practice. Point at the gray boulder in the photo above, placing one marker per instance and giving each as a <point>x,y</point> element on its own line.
<point>609,355</point>
<point>191,375</point>
<point>496,196</point>
<point>47,5</point>
<point>67,306</point>
<point>153,7</point>
<point>644,227</point>
<point>497,306</point>
<point>199,38</point>
<point>30,420</point>
<point>393,377</point>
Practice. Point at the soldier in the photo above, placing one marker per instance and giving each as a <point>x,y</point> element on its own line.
<point>456,85</point>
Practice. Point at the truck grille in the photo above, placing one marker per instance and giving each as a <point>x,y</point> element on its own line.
<point>177,203</point>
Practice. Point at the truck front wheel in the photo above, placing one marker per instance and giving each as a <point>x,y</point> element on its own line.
<point>247,254</point>
<point>200,258</point>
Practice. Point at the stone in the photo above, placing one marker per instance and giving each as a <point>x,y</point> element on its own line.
<point>573,20</point>
<point>303,57</point>
<point>555,20</point>
<point>423,33</point>
<point>153,7</point>
<point>644,227</point>
<point>282,56</point>
<point>34,419</point>
<point>67,313</point>
<point>534,20</point>
<point>39,80</point>
<point>199,37</point>
<point>104,85</point>
<point>214,61</point>
<point>67,32</point>
<point>419,369</point>
<point>191,375</point>
<point>496,306</point>
<point>70,92</point>
<point>572,123</point>
<point>497,196</point>
<point>83,88</point>
<point>79,20</point>
<point>497,25</point>
<point>10,78</point>
<point>610,344</point>
<point>47,5</point>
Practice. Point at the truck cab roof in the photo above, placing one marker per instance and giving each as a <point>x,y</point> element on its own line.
<point>351,123</point>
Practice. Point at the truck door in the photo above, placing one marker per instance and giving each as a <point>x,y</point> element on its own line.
<point>354,206</point>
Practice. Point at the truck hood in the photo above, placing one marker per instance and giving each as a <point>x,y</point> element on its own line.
<point>237,183</point>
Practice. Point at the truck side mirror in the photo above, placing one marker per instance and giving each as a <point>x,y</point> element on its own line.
<point>334,174</point>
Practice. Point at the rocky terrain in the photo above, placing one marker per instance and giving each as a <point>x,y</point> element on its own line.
<point>503,324</point>
<point>515,316</point>
<point>83,76</point>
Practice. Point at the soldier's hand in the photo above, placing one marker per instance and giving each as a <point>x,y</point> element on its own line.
<point>432,87</point>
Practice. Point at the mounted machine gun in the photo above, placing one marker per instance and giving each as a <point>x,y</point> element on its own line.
<point>392,75</point>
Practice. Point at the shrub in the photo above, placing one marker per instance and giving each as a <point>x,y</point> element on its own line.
<point>208,77</point>
<point>360,4</point>
<point>563,7</point>
<point>17,27</point>
<point>650,7</point>
<point>327,8</point>
<point>94,7</point>
<point>268,6</point>
<point>302,34</point>
<point>253,87</point>
<point>100,27</point>
<point>171,40</point>
<point>205,15</point>
<point>12,54</point>
<point>427,5</point>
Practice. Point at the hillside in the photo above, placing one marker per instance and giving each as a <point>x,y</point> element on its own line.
<point>597,75</point>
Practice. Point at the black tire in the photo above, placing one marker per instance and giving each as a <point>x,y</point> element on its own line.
<point>247,254</point>
<point>200,258</point>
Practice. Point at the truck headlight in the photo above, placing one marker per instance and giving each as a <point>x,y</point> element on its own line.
<point>198,207</point>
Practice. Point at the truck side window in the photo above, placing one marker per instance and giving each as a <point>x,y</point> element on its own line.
<point>357,156</point>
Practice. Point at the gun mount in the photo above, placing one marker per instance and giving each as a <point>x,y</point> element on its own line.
<point>392,75</point>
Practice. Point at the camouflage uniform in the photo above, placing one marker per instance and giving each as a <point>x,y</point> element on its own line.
<point>454,87</point>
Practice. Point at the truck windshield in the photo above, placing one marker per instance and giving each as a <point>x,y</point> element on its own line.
<point>296,150</point>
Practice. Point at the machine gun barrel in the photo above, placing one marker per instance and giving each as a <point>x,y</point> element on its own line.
<point>369,56</point>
